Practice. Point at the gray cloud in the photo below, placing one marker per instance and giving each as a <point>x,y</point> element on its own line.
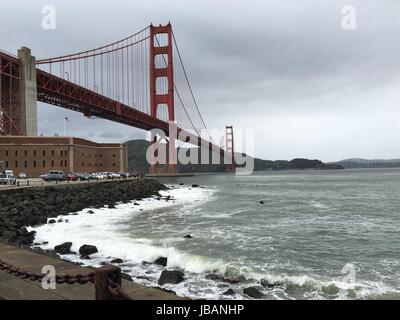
<point>284,68</point>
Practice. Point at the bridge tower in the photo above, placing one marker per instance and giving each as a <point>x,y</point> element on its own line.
<point>18,94</point>
<point>230,165</point>
<point>162,52</point>
<point>28,92</point>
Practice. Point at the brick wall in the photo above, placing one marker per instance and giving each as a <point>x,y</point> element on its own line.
<point>38,155</point>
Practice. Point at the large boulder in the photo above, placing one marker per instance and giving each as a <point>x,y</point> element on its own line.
<point>162,261</point>
<point>253,292</point>
<point>64,248</point>
<point>173,277</point>
<point>87,250</point>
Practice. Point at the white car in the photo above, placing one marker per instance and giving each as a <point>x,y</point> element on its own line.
<point>22,175</point>
<point>100,176</point>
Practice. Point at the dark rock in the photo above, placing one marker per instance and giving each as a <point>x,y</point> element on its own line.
<point>173,277</point>
<point>83,257</point>
<point>217,277</point>
<point>253,292</point>
<point>117,261</point>
<point>161,261</point>
<point>87,250</point>
<point>188,236</point>
<point>262,202</point>
<point>126,276</point>
<point>270,285</point>
<point>64,248</point>
<point>136,204</point>
<point>181,184</point>
<point>60,220</point>
<point>195,186</point>
<point>90,212</point>
<point>143,278</point>
<point>229,292</point>
<point>51,221</point>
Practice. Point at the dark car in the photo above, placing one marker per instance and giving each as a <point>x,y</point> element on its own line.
<point>83,176</point>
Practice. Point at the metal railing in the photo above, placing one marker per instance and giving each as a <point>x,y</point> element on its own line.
<point>107,280</point>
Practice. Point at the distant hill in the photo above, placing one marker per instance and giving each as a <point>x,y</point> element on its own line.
<point>137,162</point>
<point>365,163</point>
<point>295,164</point>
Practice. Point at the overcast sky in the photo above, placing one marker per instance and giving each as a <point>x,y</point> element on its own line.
<point>283,68</point>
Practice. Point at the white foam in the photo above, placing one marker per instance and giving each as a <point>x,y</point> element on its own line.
<point>103,229</point>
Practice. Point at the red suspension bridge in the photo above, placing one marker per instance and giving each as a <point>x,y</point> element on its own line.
<point>139,81</point>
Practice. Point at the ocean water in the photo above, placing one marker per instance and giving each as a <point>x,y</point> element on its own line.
<point>318,235</point>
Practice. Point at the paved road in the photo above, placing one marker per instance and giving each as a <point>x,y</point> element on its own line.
<point>37,182</point>
<point>14,288</point>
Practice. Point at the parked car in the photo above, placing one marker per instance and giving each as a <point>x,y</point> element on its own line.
<point>7,177</point>
<point>23,175</point>
<point>83,176</point>
<point>86,176</point>
<point>55,175</point>
<point>100,176</point>
<point>72,177</point>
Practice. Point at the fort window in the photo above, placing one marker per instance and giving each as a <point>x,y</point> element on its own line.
<point>26,164</point>
<point>34,163</point>
<point>7,164</point>
<point>44,153</point>
<point>34,153</point>
<point>65,163</point>
<point>26,153</point>
<point>44,163</point>
<point>16,164</point>
<point>6,153</point>
<point>61,163</point>
<point>16,153</point>
<point>52,153</point>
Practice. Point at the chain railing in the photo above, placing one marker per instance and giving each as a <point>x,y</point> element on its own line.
<point>107,280</point>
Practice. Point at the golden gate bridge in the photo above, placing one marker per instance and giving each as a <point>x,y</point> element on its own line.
<point>140,81</point>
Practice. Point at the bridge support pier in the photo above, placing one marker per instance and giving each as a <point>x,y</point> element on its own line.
<point>172,163</point>
<point>229,154</point>
<point>28,93</point>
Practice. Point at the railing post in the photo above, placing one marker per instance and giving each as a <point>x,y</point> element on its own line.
<point>102,275</point>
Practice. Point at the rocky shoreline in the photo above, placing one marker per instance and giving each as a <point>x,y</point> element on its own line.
<point>33,206</point>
